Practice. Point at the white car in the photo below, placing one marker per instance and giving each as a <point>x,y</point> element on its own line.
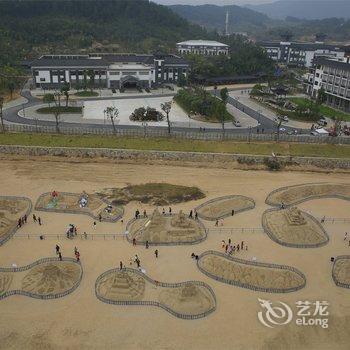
<point>237,123</point>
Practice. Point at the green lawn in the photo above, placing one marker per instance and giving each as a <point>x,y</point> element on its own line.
<point>171,144</point>
<point>62,109</point>
<point>324,110</point>
<point>86,93</point>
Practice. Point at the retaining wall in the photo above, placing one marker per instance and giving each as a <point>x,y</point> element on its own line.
<point>206,158</point>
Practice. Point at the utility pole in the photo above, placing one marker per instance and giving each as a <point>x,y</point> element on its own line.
<point>1,116</point>
<point>226,25</point>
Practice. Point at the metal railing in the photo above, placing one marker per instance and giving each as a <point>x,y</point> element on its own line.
<point>190,133</point>
<point>36,295</point>
<point>335,278</point>
<point>251,263</point>
<point>156,303</point>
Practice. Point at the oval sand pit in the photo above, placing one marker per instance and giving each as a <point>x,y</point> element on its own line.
<point>79,203</point>
<point>44,279</point>
<point>269,278</point>
<point>162,229</point>
<point>292,195</point>
<point>341,271</point>
<point>292,227</point>
<point>219,208</point>
<point>187,300</point>
<point>12,209</point>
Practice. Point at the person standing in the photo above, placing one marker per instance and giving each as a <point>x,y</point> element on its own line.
<point>100,218</point>
<point>121,265</point>
<point>94,225</point>
<point>196,215</point>
<point>147,245</point>
<point>191,214</point>
<point>57,249</point>
<point>39,221</point>
<point>134,242</point>
<point>156,253</point>
<point>170,210</point>
<point>60,256</point>
<point>34,218</point>
<point>25,218</point>
<point>77,255</point>
<point>217,223</point>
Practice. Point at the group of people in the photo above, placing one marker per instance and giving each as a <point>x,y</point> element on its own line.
<point>22,220</point>
<point>231,248</point>
<point>76,253</point>
<point>37,219</point>
<point>72,231</point>
<point>191,215</point>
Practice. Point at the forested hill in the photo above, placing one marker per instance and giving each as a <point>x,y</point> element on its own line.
<point>213,17</point>
<point>34,26</point>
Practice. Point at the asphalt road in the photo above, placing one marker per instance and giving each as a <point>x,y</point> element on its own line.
<point>266,125</point>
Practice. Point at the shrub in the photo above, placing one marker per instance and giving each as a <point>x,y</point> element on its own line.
<point>272,163</point>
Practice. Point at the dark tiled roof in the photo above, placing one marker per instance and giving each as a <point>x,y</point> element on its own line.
<point>303,46</point>
<point>331,63</point>
<point>80,62</point>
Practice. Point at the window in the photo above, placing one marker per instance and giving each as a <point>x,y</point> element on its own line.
<point>42,79</point>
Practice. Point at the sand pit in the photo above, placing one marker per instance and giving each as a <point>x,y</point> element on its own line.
<point>341,271</point>
<point>270,278</point>
<point>219,208</point>
<point>187,300</point>
<point>162,229</point>
<point>79,203</point>
<point>292,227</point>
<point>292,195</point>
<point>44,279</point>
<point>152,193</point>
<point>11,209</point>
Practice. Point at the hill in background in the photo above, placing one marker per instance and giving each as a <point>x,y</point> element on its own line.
<point>305,9</point>
<point>32,27</point>
<point>213,17</point>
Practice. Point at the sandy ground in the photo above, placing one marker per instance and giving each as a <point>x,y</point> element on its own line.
<point>81,321</point>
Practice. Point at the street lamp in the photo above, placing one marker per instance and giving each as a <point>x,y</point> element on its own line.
<point>144,124</point>
<point>1,116</point>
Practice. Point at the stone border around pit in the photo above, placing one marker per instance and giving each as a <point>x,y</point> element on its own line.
<point>38,296</point>
<point>225,215</point>
<point>268,202</point>
<point>76,211</point>
<point>254,263</point>
<point>156,303</point>
<point>197,241</point>
<point>339,284</point>
<point>294,245</point>
<point>13,231</point>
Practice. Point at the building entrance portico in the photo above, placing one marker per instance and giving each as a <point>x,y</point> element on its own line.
<point>130,82</point>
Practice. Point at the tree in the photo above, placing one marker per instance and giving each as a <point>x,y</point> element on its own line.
<point>112,113</point>
<point>286,35</point>
<point>11,86</point>
<point>166,107</point>
<point>224,97</point>
<point>219,113</point>
<point>1,116</point>
<point>181,81</point>
<point>48,98</point>
<point>321,96</point>
<point>91,74</point>
<point>57,110</point>
<point>65,91</point>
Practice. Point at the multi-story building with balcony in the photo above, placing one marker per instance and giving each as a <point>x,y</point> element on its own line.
<point>300,54</point>
<point>334,77</point>
<point>202,47</point>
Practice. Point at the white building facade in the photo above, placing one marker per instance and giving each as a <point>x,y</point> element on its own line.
<point>300,54</point>
<point>107,71</point>
<point>334,77</point>
<point>202,47</point>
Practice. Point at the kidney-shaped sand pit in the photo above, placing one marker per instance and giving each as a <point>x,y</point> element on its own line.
<point>44,279</point>
<point>292,195</point>
<point>219,208</point>
<point>341,271</point>
<point>162,229</point>
<point>79,203</point>
<point>187,300</point>
<point>270,278</point>
<point>12,209</point>
<point>292,227</point>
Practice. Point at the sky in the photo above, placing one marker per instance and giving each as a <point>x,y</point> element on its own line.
<point>215,2</point>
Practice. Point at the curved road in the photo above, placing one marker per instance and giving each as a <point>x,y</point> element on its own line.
<point>267,125</point>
